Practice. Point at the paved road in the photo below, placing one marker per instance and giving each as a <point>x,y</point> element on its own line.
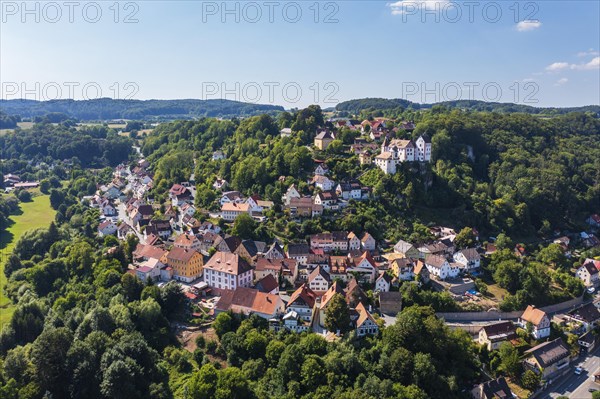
<point>122,215</point>
<point>577,386</point>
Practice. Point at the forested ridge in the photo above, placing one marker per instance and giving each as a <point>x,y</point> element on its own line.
<point>379,104</point>
<point>88,146</point>
<point>107,108</point>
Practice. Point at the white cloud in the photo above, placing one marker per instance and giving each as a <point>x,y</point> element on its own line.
<point>590,66</point>
<point>528,24</point>
<point>557,66</point>
<point>593,65</point>
<point>590,52</point>
<point>561,82</point>
<point>410,6</point>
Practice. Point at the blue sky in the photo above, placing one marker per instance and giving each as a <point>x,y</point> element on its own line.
<point>539,53</point>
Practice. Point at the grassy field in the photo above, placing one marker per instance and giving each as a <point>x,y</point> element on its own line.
<point>35,214</point>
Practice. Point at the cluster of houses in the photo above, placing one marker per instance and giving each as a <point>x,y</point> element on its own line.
<point>233,204</point>
<point>439,259</point>
<point>329,195</point>
<point>392,151</point>
<point>549,359</point>
<point>247,275</point>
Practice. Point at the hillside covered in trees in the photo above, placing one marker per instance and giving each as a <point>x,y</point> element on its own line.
<point>89,146</point>
<point>515,173</point>
<point>108,109</point>
<point>380,104</point>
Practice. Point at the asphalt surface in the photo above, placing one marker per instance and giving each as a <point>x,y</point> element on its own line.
<point>577,386</point>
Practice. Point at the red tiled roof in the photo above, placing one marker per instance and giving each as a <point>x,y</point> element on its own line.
<point>305,294</point>
<point>248,299</point>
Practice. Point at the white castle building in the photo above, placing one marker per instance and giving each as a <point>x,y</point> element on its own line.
<point>397,151</point>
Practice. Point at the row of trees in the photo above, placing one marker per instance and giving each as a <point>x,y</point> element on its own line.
<point>90,146</point>
<point>417,357</point>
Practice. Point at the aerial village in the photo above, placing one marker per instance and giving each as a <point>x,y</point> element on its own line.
<point>292,284</point>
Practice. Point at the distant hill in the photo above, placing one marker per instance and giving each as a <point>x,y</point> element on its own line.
<point>355,106</point>
<point>107,109</point>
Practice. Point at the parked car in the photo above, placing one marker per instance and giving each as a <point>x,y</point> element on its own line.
<point>578,370</point>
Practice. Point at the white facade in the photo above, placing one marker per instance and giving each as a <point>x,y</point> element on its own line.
<point>398,151</point>
<point>382,285</point>
<point>368,243</point>
<point>106,229</point>
<point>423,150</point>
<point>323,183</point>
<point>290,193</point>
<point>231,211</point>
<point>443,270</point>
<point>467,260</point>
<point>319,283</point>
<point>588,274</point>
<point>321,170</point>
<point>353,242</point>
<point>228,281</point>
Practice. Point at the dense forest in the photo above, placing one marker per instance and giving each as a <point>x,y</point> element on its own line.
<point>8,121</point>
<point>359,105</point>
<point>88,146</point>
<point>107,109</point>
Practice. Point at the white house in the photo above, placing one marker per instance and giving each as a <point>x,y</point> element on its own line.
<point>322,182</point>
<point>230,211</point>
<point>231,196</point>
<point>327,199</point>
<point>365,324</point>
<point>254,206</point>
<point>112,192</point>
<point>321,169</point>
<point>109,209</point>
<point>220,184</point>
<point>302,302</point>
<point>398,151</point>
<point>188,209</point>
<point>353,242</point>
<point>298,252</point>
<point>423,149</point>
<point>107,228</point>
<point>149,269</point>
<point>367,242</point>
<point>218,155</point>
<point>291,192</point>
<point>383,283</point>
<point>403,268</point>
<point>227,271</point>
<point>588,273</point>
<point>469,258</point>
<point>365,266</point>
<point>285,132</point>
<point>439,266</point>
<point>318,280</point>
<point>539,321</point>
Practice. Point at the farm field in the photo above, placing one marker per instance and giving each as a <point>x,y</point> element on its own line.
<point>35,214</point>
